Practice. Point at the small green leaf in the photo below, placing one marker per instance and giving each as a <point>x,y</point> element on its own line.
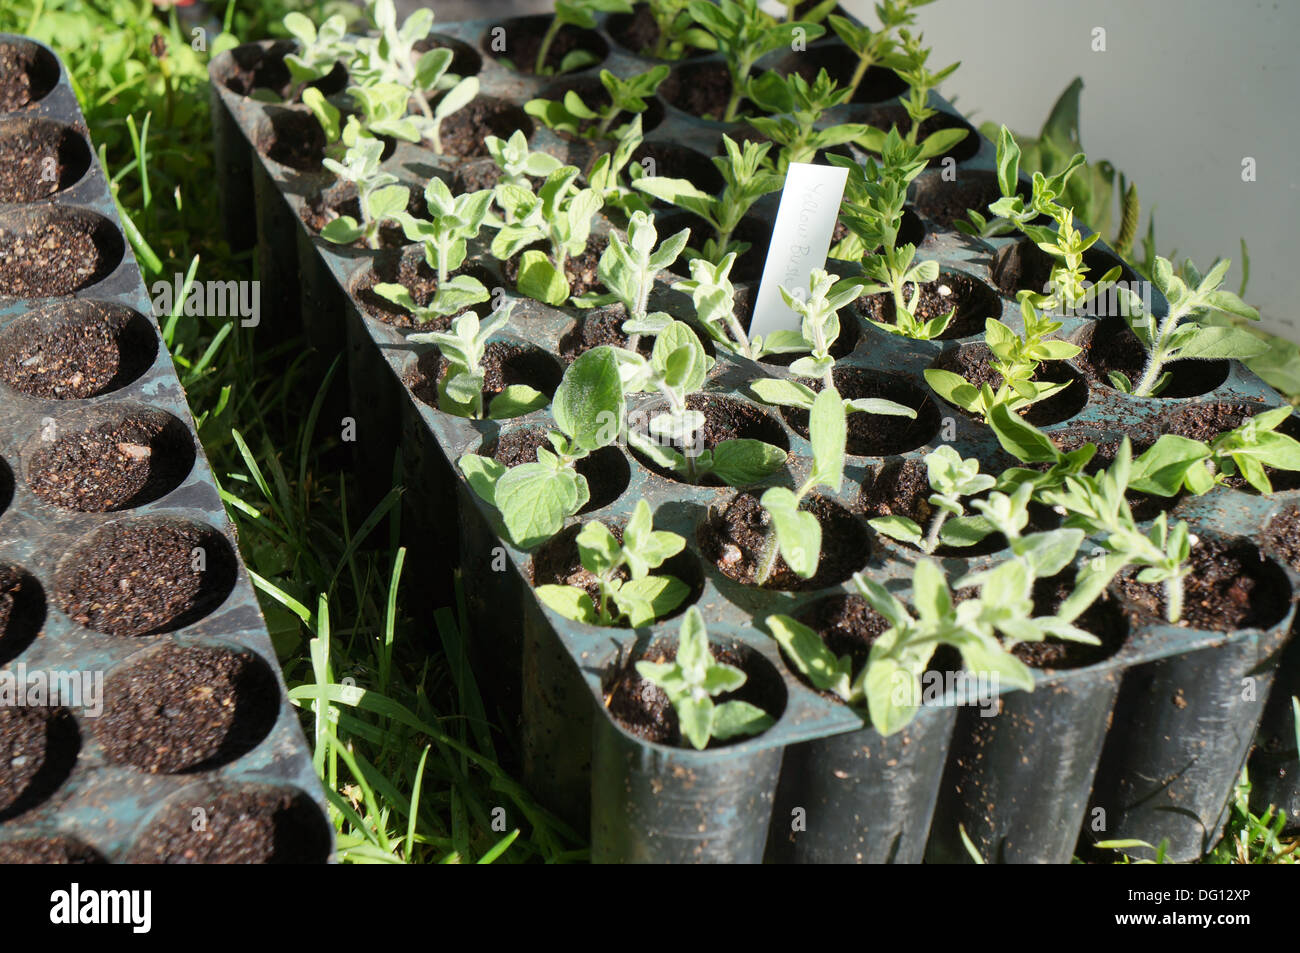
<point>515,401</point>
<point>570,602</point>
<point>539,279</point>
<point>736,718</point>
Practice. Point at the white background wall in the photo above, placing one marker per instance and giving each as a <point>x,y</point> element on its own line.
<point>1184,90</point>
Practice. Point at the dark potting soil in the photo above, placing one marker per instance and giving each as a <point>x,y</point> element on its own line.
<point>734,539</point>
<point>877,434</point>
<point>48,850</point>
<point>725,418</point>
<point>1231,586</point>
<point>242,827</point>
<point>38,159</point>
<point>525,39</point>
<point>579,269</point>
<point>1283,535</point>
<point>1103,619</point>
<point>22,610</point>
<point>606,470</point>
<point>463,132</point>
<point>678,162</point>
<point>946,202</point>
<point>187,708</point>
<point>50,257</point>
<point>113,466</point>
<point>24,76</point>
<point>294,139</point>
<point>975,363</point>
<point>703,90</point>
<point>903,489</point>
<point>414,273</point>
<point>603,326</point>
<point>141,579</point>
<point>504,363</point>
<point>1112,346</point>
<point>646,711</point>
<point>973,300</point>
<point>38,746</point>
<point>637,31</point>
<point>98,351</point>
<point>747,266</point>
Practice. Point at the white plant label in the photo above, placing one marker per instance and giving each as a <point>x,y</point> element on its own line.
<point>801,237</point>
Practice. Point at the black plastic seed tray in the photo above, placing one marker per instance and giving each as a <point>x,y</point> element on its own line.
<point>1164,716</point>
<point>118,567</point>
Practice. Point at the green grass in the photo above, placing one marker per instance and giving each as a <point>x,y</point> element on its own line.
<point>398,731</point>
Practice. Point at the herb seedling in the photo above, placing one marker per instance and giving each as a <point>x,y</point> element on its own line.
<point>746,182</point>
<point>714,297</point>
<point>516,161</point>
<point>982,628</point>
<point>693,679</point>
<point>874,46</point>
<point>1181,335</point>
<point>390,59</point>
<point>463,348</point>
<point>621,575</point>
<point>1068,286</point>
<point>535,499</point>
<point>677,368</point>
<point>1254,445</point>
<point>607,172</point>
<point>798,105</point>
<point>1016,358</point>
<point>382,201</point>
<point>379,108</point>
<point>445,235</point>
<point>951,478</point>
<point>1097,504</point>
<point>874,197</point>
<point>574,117</point>
<point>1175,463</point>
<point>676,30</point>
<point>744,34</point>
<point>795,534</point>
<point>558,214</point>
<point>819,329</point>
<point>628,269</point>
<point>579,13</point>
<point>319,50</point>
<point>912,69</point>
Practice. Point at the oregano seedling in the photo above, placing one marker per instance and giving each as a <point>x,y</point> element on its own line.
<point>694,679</point>
<point>626,592</point>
